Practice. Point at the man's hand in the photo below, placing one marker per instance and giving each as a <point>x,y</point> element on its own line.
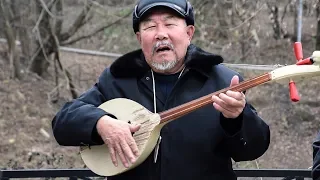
<point>231,103</point>
<point>117,135</point>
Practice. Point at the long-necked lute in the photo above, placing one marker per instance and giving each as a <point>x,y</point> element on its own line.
<point>97,158</point>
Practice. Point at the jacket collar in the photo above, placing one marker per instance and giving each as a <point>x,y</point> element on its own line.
<point>133,64</point>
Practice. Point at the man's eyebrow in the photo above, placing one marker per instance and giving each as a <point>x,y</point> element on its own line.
<point>166,18</point>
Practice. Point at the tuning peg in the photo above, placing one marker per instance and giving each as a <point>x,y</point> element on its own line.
<point>305,61</point>
<point>298,51</point>
<point>294,95</point>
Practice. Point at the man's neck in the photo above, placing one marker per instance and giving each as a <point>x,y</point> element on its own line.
<point>173,70</point>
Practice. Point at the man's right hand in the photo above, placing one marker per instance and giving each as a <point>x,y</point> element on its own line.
<point>118,136</point>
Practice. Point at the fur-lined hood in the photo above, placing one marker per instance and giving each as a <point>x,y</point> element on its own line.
<point>134,64</point>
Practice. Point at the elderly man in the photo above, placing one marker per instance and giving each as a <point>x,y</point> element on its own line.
<point>168,71</point>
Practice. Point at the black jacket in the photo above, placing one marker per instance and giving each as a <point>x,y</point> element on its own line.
<point>315,173</point>
<point>198,146</point>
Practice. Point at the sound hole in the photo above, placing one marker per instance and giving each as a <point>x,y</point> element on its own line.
<point>132,132</point>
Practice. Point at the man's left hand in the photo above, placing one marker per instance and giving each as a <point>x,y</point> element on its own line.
<point>231,103</point>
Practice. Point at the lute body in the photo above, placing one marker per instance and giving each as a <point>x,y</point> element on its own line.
<point>97,158</point>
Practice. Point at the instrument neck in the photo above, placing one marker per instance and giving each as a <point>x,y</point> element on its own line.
<point>179,111</point>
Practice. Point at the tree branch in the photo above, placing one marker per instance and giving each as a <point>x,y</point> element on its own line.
<point>285,10</point>
<point>66,72</point>
<point>37,52</point>
<point>246,20</point>
<point>79,22</point>
<point>59,22</point>
<point>95,32</point>
<point>42,14</point>
<point>46,8</point>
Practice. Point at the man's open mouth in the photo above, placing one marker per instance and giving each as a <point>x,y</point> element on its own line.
<point>163,49</point>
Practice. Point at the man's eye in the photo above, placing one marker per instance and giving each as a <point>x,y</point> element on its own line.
<point>149,27</point>
<point>170,24</point>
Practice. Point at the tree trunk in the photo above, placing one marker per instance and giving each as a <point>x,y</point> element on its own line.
<point>10,34</point>
<point>25,40</point>
<point>40,63</point>
<point>276,23</point>
<point>23,32</point>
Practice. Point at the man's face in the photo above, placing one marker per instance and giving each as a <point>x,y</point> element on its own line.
<point>164,38</point>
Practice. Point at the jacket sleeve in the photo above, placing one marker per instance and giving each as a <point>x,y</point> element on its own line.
<point>315,173</point>
<point>246,137</point>
<point>75,123</point>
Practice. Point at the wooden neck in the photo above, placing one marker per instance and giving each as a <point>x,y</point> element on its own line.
<point>193,105</point>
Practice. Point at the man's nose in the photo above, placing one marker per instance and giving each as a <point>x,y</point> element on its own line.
<point>161,34</point>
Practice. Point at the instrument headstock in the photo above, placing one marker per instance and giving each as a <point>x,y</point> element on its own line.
<point>307,67</point>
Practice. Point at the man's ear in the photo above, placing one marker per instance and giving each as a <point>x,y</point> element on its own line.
<point>138,35</point>
<point>190,31</point>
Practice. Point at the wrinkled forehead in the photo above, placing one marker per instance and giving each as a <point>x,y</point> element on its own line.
<point>160,10</point>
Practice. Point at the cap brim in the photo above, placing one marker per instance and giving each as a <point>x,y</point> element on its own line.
<point>175,7</point>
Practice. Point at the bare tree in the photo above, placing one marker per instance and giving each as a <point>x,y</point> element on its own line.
<point>244,13</point>
<point>6,13</point>
<point>38,25</point>
<point>277,18</point>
